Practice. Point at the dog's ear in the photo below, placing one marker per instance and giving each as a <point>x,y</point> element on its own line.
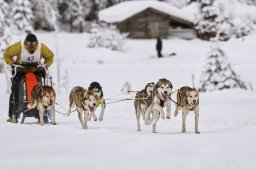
<point>170,85</point>
<point>100,87</point>
<point>87,94</point>
<point>194,89</point>
<point>41,91</point>
<point>53,91</point>
<point>187,93</point>
<point>148,84</point>
<point>101,93</point>
<point>158,84</point>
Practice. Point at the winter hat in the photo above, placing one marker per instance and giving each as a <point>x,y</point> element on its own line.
<point>31,38</point>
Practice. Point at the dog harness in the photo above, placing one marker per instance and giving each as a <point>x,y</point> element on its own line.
<point>142,96</point>
<point>98,101</point>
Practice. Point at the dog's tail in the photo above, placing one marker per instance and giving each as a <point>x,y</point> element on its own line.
<point>71,104</point>
<point>69,110</point>
<point>177,105</point>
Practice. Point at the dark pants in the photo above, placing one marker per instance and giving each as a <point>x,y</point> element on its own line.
<point>159,54</point>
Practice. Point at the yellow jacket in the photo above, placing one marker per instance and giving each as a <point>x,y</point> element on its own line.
<point>15,50</point>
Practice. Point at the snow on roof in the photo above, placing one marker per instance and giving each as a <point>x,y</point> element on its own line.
<point>124,10</point>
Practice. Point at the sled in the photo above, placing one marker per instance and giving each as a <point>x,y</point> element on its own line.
<point>169,55</point>
<point>25,86</point>
<point>165,55</point>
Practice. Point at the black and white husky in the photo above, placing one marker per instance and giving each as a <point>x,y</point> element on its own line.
<point>161,98</point>
<point>142,100</point>
<point>96,89</point>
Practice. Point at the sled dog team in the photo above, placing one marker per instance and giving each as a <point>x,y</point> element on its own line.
<point>149,103</point>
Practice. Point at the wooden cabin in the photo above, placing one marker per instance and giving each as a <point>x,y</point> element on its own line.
<point>148,19</point>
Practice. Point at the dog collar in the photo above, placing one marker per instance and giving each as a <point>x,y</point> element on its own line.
<point>193,106</point>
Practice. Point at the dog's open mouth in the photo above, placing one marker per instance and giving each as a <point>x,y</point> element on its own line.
<point>165,96</point>
<point>92,109</point>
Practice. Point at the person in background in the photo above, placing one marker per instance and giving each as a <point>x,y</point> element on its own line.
<point>159,46</point>
<point>23,57</point>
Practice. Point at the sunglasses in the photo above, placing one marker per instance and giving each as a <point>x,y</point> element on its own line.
<point>31,43</point>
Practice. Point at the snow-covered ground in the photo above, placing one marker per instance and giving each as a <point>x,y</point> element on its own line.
<point>227,118</point>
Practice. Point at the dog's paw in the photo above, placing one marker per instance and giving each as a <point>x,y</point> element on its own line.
<point>95,119</point>
<point>168,117</point>
<point>101,118</point>
<point>143,117</point>
<point>175,113</point>
<point>197,132</point>
<point>54,123</point>
<point>163,116</point>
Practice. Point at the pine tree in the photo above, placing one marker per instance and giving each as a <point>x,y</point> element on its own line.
<point>94,6</point>
<point>218,73</point>
<point>249,2</point>
<point>213,21</point>
<point>243,28</point>
<point>63,6</point>
<point>107,36</point>
<point>22,15</point>
<point>5,37</point>
<point>45,16</point>
<point>5,27</point>
<point>76,15</point>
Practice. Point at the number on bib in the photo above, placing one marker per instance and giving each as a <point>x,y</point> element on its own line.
<point>30,58</point>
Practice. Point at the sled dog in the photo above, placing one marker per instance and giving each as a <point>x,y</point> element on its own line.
<point>188,100</point>
<point>84,101</point>
<point>161,98</point>
<point>96,89</point>
<point>142,100</point>
<point>43,97</point>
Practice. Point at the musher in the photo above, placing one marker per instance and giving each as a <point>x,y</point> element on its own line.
<point>25,56</point>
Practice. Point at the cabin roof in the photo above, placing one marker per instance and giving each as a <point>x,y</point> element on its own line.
<point>124,10</point>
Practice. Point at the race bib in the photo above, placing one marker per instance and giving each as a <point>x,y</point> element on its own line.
<point>27,58</point>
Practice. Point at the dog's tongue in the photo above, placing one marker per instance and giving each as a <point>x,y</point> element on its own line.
<point>91,109</point>
<point>164,96</point>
